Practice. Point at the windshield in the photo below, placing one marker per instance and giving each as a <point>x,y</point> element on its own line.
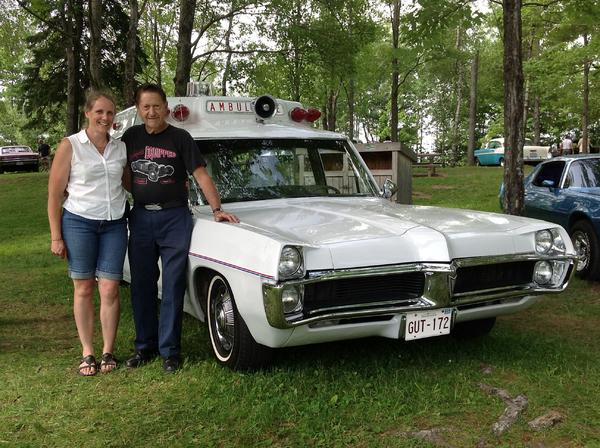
<point>248,170</point>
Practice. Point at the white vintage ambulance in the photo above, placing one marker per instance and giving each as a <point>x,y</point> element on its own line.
<point>321,253</point>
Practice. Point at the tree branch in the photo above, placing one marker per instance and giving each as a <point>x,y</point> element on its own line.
<point>42,19</point>
<point>544,5</point>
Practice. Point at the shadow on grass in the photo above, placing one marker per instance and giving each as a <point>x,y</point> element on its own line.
<point>509,345</point>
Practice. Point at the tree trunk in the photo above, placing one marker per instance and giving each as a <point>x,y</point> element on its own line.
<point>351,109</point>
<point>227,68</point>
<point>156,51</point>
<point>526,81</point>
<point>295,75</point>
<point>512,201</point>
<point>395,70</point>
<point>455,145</point>
<point>73,25</point>
<point>95,61</point>
<point>332,109</point>
<point>473,108</point>
<point>367,133</point>
<point>585,116</point>
<point>325,116</point>
<point>537,124</point>
<point>130,56</point>
<point>184,46</point>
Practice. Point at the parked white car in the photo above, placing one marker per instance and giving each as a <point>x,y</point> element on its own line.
<point>493,152</point>
<point>321,254</point>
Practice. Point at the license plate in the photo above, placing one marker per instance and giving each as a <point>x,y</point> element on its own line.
<point>19,163</point>
<point>426,324</point>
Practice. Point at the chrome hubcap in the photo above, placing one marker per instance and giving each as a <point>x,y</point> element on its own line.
<point>223,317</point>
<point>582,247</point>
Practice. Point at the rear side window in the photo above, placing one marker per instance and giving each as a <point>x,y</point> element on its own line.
<point>584,173</point>
<point>551,171</point>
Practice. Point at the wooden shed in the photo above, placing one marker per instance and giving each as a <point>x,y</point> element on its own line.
<point>390,161</point>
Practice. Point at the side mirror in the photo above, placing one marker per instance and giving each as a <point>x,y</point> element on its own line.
<point>389,189</point>
<point>548,183</point>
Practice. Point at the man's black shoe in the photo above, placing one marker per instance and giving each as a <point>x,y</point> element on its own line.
<point>172,364</point>
<point>140,358</point>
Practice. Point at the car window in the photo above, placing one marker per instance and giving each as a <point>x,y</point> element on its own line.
<point>246,170</point>
<point>494,145</point>
<point>584,173</point>
<point>15,149</point>
<point>528,142</point>
<point>551,171</point>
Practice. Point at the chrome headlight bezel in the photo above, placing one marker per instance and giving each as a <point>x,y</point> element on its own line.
<point>291,263</point>
<point>549,242</point>
<point>292,299</point>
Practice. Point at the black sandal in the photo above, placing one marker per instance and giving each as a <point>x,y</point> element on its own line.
<point>88,362</point>
<point>109,363</point>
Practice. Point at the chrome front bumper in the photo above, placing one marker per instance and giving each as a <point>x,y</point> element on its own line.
<point>438,292</point>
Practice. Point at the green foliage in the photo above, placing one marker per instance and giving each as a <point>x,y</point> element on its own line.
<point>43,88</point>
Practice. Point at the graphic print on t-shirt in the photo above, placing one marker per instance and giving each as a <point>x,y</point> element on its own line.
<point>152,170</point>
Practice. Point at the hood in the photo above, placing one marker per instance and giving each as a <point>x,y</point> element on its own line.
<point>380,231</point>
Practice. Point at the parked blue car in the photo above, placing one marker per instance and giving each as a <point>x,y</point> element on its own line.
<point>566,190</point>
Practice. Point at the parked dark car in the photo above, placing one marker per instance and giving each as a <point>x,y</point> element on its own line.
<point>18,158</point>
<point>566,190</point>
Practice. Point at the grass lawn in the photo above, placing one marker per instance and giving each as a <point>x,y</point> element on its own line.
<point>365,393</point>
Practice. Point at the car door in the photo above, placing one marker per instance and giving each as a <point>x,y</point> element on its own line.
<point>544,195</point>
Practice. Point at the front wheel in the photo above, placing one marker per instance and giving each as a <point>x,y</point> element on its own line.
<point>231,341</point>
<point>586,245</point>
<point>501,162</point>
<point>473,328</point>
<point>477,162</point>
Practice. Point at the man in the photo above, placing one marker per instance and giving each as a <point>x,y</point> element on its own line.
<point>43,150</point>
<point>159,157</point>
<point>567,145</point>
<point>582,146</point>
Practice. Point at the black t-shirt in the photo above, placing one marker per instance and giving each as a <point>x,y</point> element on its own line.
<point>160,164</point>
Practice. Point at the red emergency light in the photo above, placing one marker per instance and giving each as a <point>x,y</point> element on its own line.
<point>298,114</point>
<point>313,115</point>
<point>180,112</point>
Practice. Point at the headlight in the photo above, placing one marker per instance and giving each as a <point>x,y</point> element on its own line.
<point>543,241</point>
<point>291,298</point>
<point>290,262</point>
<point>542,273</point>
<point>550,274</point>
<point>549,242</point>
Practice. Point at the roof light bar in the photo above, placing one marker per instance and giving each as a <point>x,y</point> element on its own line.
<point>298,114</point>
<point>313,115</point>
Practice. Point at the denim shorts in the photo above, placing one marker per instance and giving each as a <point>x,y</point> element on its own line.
<point>95,248</point>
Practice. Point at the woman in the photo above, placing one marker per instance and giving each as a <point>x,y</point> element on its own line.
<point>89,228</point>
